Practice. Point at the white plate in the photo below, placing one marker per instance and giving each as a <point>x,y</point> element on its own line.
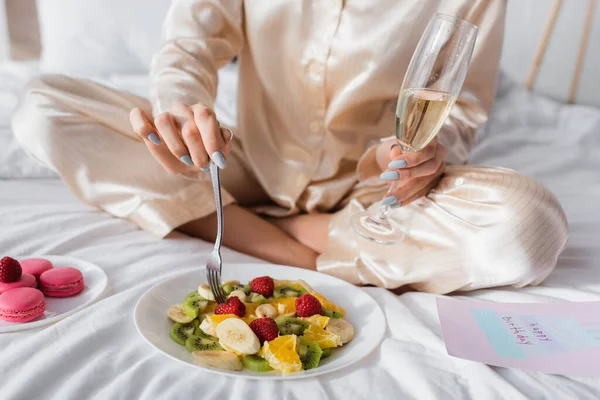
<point>362,311</point>
<point>95,281</point>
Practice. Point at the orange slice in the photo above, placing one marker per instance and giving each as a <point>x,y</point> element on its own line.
<point>328,304</point>
<point>318,320</point>
<point>217,319</point>
<point>210,308</point>
<point>284,305</point>
<point>322,337</point>
<point>250,313</point>
<point>281,354</point>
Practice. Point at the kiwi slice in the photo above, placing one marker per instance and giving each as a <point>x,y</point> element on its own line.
<point>326,353</point>
<point>288,291</point>
<point>257,298</point>
<point>193,294</point>
<point>291,326</point>
<point>180,332</point>
<point>193,305</point>
<point>199,343</point>
<point>256,363</point>
<point>332,314</point>
<point>247,289</point>
<point>230,288</point>
<point>310,353</point>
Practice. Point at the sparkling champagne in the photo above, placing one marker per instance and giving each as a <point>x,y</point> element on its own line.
<point>420,115</point>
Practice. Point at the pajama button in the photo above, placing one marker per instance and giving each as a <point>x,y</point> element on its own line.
<point>459,182</point>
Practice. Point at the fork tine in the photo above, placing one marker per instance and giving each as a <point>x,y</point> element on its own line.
<point>213,286</point>
<point>219,287</point>
<point>221,291</point>
<point>216,287</point>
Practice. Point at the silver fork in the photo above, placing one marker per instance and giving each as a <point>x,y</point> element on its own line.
<point>214,263</point>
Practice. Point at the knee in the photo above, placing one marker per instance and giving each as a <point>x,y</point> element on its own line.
<point>535,233</point>
<point>34,118</point>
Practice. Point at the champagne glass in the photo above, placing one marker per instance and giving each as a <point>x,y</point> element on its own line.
<point>431,85</point>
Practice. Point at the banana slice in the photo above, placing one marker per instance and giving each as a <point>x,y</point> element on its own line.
<point>218,359</point>
<point>208,327</point>
<point>342,328</point>
<point>239,294</point>
<point>281,310</point>
<point>266,311</point>
<point>204,291</point>
<point>235,336</point>
<point>177,314</point>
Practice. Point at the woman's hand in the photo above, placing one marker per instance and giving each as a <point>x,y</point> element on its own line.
<point>415,174</point>
<point>182,140</point>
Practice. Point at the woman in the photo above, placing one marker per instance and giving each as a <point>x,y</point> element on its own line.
<point>318,85</point>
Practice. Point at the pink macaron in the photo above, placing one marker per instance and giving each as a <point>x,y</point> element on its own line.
<point>61,282</point>
<point>35,266</point>
<point>22,305</point>
<point>27,280</point>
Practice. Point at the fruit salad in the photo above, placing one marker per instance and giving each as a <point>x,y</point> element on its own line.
<point>263,326</point>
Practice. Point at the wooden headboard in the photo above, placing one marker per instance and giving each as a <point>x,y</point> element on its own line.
<point>23,29</point>
<point>552,46</point>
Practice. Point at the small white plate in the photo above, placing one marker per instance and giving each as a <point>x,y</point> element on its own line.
<point>362,311</point>
<point>95,281</point>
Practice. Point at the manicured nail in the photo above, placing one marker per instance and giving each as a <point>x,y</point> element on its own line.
<point>187,160</point>
<point>218,158</point>
<point>205,169</point>
<point>397,164</point>
<point>153,137</point>
<point>396,205</point>
<point>389,176</point>
<point>389,200</point>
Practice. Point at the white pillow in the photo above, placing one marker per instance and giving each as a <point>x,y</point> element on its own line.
<point>99,37</point>
<point>14,163</point>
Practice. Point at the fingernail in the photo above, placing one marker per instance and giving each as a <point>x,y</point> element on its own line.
<point>219,159</point>
<point>153,137</point>
<point>397,164</point>
<point>396,205</point>
<point>389,176</point>
<point>205,169</point>
<point>187,160</point>
<point>389,200</point>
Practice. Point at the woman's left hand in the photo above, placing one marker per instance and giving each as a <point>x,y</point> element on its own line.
<point>415,174</point>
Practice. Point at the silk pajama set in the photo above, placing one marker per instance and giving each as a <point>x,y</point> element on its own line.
<point>319,81</point>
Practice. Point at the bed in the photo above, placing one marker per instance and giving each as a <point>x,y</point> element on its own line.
<point>97,354</point>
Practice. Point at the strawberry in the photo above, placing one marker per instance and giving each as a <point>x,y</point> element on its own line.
<point>233,305</point>
<point>308,305</point>
<point>10,270</point>
<point>265,329</point>
<point>263,285</point>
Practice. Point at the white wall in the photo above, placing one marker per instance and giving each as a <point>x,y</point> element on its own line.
<point>525,23</point>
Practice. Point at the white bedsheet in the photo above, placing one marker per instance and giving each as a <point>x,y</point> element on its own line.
<point>97,354</point>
